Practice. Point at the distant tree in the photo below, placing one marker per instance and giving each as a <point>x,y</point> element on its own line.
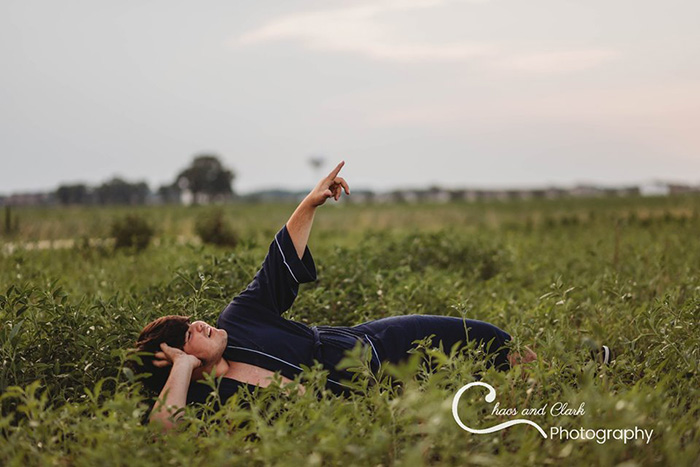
<point>119,191</point>
<point>73,194</point>
<point>316,163</point>
<point>398,196</point>
<point>169,194</point>
<point>457,195</point>
<point>206,178</point>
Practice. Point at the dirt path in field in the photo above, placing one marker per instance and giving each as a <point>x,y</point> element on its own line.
<point>11,247</point>
<point>64,243</point>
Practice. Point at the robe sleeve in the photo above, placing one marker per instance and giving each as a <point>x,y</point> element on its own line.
<point>276,284</point>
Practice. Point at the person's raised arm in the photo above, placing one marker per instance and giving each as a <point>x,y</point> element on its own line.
<point>288,262</point>
<point>299,224</point>
<point>173,396</point>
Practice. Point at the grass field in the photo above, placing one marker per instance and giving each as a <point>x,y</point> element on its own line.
<point>561,276</point>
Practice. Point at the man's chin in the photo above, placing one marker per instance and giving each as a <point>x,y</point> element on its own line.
<point>223,336</point>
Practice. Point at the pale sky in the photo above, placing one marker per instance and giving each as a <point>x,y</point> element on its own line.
<point>410,93</point>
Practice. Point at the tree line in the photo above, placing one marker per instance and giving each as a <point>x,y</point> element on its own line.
<point>205,180</point>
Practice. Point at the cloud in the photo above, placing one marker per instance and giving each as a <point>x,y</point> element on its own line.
<point>363,30</point>
<point>558,62</point>
<point>359,29</point>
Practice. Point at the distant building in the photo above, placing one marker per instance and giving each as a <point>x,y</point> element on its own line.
<point>628,191</point>
<point>362,196</point>
<point>655,189</point>
<point>29,199</point>
<point>586,191</point>
<point>683,189</point>
<point>274,196</point>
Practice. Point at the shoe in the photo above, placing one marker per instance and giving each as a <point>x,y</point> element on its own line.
<point>604,355</point>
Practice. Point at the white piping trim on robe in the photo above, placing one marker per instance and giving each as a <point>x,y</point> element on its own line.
<point>284,260</point>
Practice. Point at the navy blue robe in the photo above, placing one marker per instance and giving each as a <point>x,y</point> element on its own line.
<point>259,335</point>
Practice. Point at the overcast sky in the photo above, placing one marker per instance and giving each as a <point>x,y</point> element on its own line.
<point>408,92</point>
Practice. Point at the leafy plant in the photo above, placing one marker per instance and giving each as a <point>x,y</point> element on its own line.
<point>131,231</point>
<point>213,228</point>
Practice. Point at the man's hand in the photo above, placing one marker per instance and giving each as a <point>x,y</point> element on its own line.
<point>173,396</point>
<point>172,355</point>
<point>299,225</point>
<point>329,186</point>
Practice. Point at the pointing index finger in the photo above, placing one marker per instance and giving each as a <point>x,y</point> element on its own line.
<point>335,171</point>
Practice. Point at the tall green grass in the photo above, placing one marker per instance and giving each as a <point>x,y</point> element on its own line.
<point>560,276</point>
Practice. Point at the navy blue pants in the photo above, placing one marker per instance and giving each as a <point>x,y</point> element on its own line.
<point>393,336</point>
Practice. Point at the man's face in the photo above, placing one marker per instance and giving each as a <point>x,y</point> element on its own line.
<point>205,342</point>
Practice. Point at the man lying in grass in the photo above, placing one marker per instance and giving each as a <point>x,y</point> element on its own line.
<point>252,341</point>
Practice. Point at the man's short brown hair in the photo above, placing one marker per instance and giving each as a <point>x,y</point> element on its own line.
<point>170,329</point>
